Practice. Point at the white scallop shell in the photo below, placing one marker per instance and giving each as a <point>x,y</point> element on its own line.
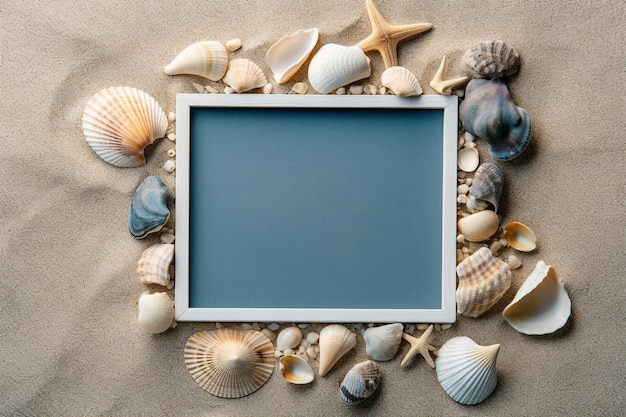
<point>468,158</point>
<point>289,338</point>
<point>541,305</point>
<point>244,75</point>
<point>401,81</point>
<point>296,370</point>
<point>119,122</point>
<point>382,342</point>
<point>360,382</point>
<point>154,265</point>
<point>156,312</point>
<point>335,66</point>
<point>335,341</point>
<point>207,59</point>
<point>479,226</point>
<point>520,237</point>
<point>466,370</point>
<point>288,54</point>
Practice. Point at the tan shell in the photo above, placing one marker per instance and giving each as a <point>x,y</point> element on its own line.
<point>229,362</point>
<point>154,265</point>
<point>479,226</point>
<point>520,237</point>
<point>289,338</point>
<point>401,81</point>
<point>156,312</point>
<point>244,75</point>
<point>492,59</point>
<point>483,280</point>
<point>468,158</point>
<point>288,54</point>
<point>296,370</point>
<point>207,59</point>
<point>335,341</point>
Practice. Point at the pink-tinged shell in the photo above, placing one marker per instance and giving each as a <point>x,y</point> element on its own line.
<point>492,59</point>
<point>207,59</point>
<point>244,75</point>
<point>288,54</point>
<point>154,265</point>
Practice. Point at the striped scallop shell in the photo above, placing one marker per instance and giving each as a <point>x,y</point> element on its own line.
<point>243,75</point>
<point>483,280</point>
<point>401,81</point>
<point>207,59</point>
<point>156,312</point>
<point>229,362</point>
<point>360,382</point>
<point>335,341</point>
<point>492,59</point>
<point>119,122</point>
<point>154,265</point>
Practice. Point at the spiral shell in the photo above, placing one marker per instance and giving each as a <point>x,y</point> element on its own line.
<point>244,75</point>
<point>492,59</point>
<point>360,382</point>
<point>335,341</point>
<point>207,59</point>
<point>486,188</point>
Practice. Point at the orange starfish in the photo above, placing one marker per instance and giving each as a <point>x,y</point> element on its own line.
<point>385,36</point>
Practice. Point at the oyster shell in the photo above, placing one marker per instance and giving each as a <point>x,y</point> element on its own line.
<point>492,59</point>
<point>401,81</point>
<point>148,209</point>
<point>382,342</point>
<point>335,341</point>
<point>296,370</point>
<point>154,265</point>
<point>288,54</point>
<point>520,237</point>
<point>360,382</point>
<point>244,75</point>
<point>335,66</point>
<point>207,59</point>
<point>156,312</point>
<point>289,338</point>
<point>486,188</point>
<point>479,226</point>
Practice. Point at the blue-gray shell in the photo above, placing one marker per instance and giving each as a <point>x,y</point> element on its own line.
<point>360,382</point>
<point>148,209</point>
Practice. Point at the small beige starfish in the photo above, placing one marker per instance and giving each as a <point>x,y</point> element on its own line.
<point>385,36</point>
<point>419,345</point>
<point>445,86</point>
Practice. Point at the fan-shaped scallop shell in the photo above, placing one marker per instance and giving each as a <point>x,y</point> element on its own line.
<point>229,362</point>
<point>483,280</point>
<point>479,226</point>
<point>335,341</point>
<point>486,188</point>
<point>148,209</point>
<point>520,237</point>
<point>154,265</point>
<point>244,75</point>
<point>289,338</point>
<point>288,54</point>
<point>296,370</point>
<point>360,382</point>
<point>156,312</point>
<point>119,122</point>
<point>466,370</point>
<point>382,342</point>
<point>492,59</point>
<point>401,81</point>
<point>207,59</point>
<point>335,66</point>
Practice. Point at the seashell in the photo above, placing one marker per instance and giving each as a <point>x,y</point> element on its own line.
<point>288,54</point>
<point>296,370</point>
<point>360,382</point>
<point>468,158</point>
<point>492,59</point>
<point>156,312</point>
<point>148,209</point>
<point>483,280</point>
<point>289,338</point>
<point>229,362</point>
<point>489,113</point>
<point>382,342</point>
<point>207,59</point>
<point>244,75</point>
<point>541,305</point>
<point>335,66</point>
<point>335,341</point>
<point>520,237</point>
<point>154,265</point>
<point>119,122</point>
<point>467,370</point>
<point>486,188</point>
<point>479,226</point>
<point>401,81</point>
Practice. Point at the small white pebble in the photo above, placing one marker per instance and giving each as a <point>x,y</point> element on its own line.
<point>269,334</point>
<point>446,326</point>
<point>514,262</point>
<point>171,153</point>
<point>169,165</point>
<point>267,89</point>
<point>289,351</point>
<point>437,327</point>
<point>462,199</point>
<point>312,338</point>
<point>210,89</point>
<point>304,342</point>
<point>246,326</point>
<point>469,137</point>
<point>504,243</point>
<point>460,174</point>
<point>370,325</point>
<point>469,181</point>
<point>256,326</point>
<point>278,354</point>
<point>199,87</point>
<point>311,352</point>
<point>219,325</point>
<point>341,91</point>
<point>300,88</point>
<point>301,349</point>
<point>273,326</point>
<point>166,229</point>
<point>459,256</point>
<point>411,329</point>
<point>382,90</point>
<point>228,90</point>
<point>303,325</point>
<point>462,189</point>
<point>370,89</point>
<point>233,45</point>
<point>171,117</point>
<point>469,145</point>
<point>460,143</point>
<point>459,93</point>
<point>460,238</point>
<point>317,349</point>
<point>465,249</point>
<point>422,326</point>
<point>356,89</point>
<point>495,247</point>
<point>172,137</point>
<point>167,238</point>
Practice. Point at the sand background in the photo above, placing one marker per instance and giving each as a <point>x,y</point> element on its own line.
<point>69,340</point>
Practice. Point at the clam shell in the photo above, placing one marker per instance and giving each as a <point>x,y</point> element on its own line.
<point>296,370</point>
<point>148,209</point>
<point>486,188</point>
<point>492,59</point>
<point>401,81</point>
<point>479,226</point>
<point>541,305</point>
<point>382,342</point>
<point>207,59</point>
<point>287,55</point>
<point>466,370</point>
<point>119,122</point>
<point>156,312</point>
<point>244,75</point>
<point>489,113</point>
<point>483,280</point>
<point>520,237</point>
<point>289,338</point>
<point>335,341</point>
<point>154,265</point>
<point>335,66</point>
<point>228,362</point>
<point>360,382</point>
<point>468,158</point>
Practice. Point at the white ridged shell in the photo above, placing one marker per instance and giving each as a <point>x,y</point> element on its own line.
<point>156,312</point>
<point>360,382</point>
<point>335,341</point>
<point>244,75</point>
<point>207,59</point>
<point>520,237</point>
<point>154,265</point>
<point>119,122</point>
<point>288,54</point>
<point>479,226</point>
<point>466,370</point>
<point>335,66</point>
<point>382,342</point>
<point>401,81</point>
<point>289,338</point>
<point>296,370</point>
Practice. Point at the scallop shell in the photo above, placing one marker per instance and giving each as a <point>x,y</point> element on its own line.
<point>401,81</point>
<point>335,341</point>
<point>360,382</point>
<point>382,342</point>
<point>289,338</point>
<point>479,226</point>
<point>154,265</point>
<point>244,75</point>
<point>156,312</point>
<point>229,362</point>
<point>119,122</point>
<point>335,66</point>
<point>207,59</point>
<point>489,113</point>
<point>148,209</point>
<point>486,188</point>
<point>541,305</point>
<point>287,55</point>
<point>483,280</point>
<point>492,59</point>
<point>467,370</point>
<point>468,158</point>
<point>520,237</point>
<point>296,370</point>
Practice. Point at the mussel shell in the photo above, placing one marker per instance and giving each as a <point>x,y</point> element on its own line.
<point>148,209</point>
<point>360,382</point>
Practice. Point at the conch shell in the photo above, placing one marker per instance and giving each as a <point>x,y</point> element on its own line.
<point>401,81</point>
<point>335,341</point>
<point>244,75</point>
<point>207,59</point>
<point>335,66</point>
<point>486,188</point>
<point>492,59</point>
<point>287,55</point>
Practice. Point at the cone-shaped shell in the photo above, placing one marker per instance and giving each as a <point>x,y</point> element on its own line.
<point>119,122</point>
<point>156,312</point>
<point>382,342</point>
<point>401,81</point>
<point>335,341</point>
<point>479,226</point>
<point>492,59</point>
<point>489,113</point>
<point>520,237</point>
<point>244,75</point>
<point>360,382</point>
<point>483,280</point>
<point>466,370</point>
<point>228,362</point>
<point>296,370</point>
<point>289,338</point>
<point>335,66</point>
<point>207,59</point>
<point>148,209</point>
<point>154,265</point>
<point>486,188</point>
<point>287,55</point>
<point>541,305</point>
